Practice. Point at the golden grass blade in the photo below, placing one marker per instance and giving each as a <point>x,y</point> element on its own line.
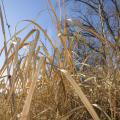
<point>98,107</point>
<point>66,117</point>
<point>12,57</point>
<point>63,37</point>
<point>53,11</point>
<point>5,40</point>
<point>20,46</point>
<point>26,107</point>
<point>82,96</point>
<point>44,32</point>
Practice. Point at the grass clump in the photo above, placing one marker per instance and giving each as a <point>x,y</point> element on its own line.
<point>44,86</point>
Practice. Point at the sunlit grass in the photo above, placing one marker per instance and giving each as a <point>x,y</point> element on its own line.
<point>42,86</point>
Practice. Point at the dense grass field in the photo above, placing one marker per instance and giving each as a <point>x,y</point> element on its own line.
<point>40,85</point>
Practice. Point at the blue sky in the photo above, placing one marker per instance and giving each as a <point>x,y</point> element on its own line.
<point>17,10</point>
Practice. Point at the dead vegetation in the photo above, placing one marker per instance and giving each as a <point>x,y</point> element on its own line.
<point>41,86</point>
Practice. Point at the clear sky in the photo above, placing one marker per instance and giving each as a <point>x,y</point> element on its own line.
<point>17,10</point>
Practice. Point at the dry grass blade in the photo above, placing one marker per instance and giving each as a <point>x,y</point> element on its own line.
<point>26,107</point>
<point>82,96</point>
<point>98,107</point>
<point>44,32</point>
<point>65,117</point>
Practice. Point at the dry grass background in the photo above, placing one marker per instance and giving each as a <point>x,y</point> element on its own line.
<point>48,87</point>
